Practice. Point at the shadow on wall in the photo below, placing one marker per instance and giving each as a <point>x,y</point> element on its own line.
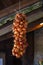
<point>38,46</point>
<point>37,58</point>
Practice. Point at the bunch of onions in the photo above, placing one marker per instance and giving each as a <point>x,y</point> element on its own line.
<point>19,31</point>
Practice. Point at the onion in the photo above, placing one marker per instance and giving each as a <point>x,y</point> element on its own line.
<point>19,31</point>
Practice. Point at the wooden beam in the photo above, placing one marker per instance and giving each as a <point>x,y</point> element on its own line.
<point>35,28</point>
<point>31,18</point>
<point>32,27</point>
<point>35,25</point>
<point>12,8</point>
<point>6,36</point>
<point>28,9</point>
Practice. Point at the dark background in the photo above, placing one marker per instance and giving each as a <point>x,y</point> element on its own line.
<point>7,45</point>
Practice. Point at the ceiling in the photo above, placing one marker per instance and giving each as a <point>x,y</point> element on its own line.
<point>6,3</point>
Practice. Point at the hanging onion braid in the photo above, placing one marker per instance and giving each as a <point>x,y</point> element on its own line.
<point>19,31</point>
